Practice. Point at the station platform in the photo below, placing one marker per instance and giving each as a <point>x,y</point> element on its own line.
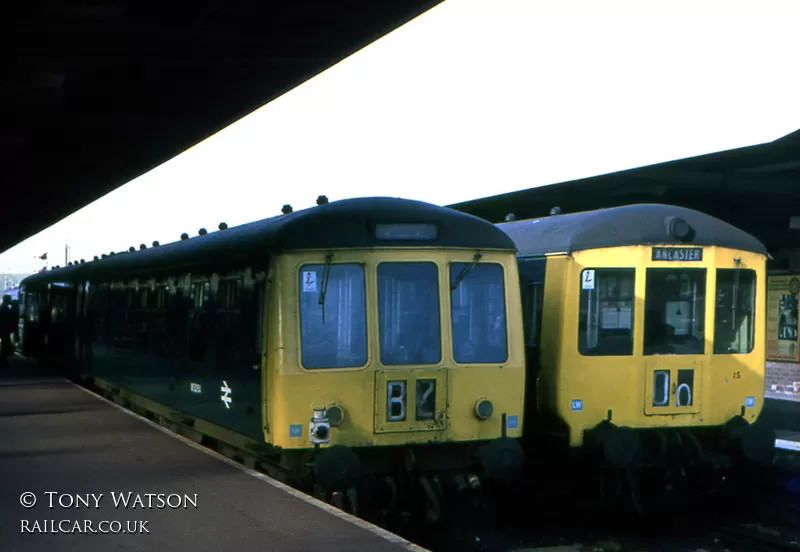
<point>783,415</point>
<point>103,478</point>
<point>787,440</point>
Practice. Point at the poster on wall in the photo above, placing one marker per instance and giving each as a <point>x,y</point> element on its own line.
<point>782,334</point>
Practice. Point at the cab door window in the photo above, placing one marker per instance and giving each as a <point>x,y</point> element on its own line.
<point>408,313</point>
<point>675,310</point>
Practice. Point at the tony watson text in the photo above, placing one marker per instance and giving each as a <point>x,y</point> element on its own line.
<point>151,501</point>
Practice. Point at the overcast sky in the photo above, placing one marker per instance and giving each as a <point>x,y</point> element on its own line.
<point>473,98</point>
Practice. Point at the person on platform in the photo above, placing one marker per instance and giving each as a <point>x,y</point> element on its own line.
<point>7,327</point>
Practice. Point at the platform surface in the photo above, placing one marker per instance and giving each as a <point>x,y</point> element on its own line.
<point>69,447</point>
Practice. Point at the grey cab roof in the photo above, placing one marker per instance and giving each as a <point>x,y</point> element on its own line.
<point>639,224</point>
<point>339,224</point>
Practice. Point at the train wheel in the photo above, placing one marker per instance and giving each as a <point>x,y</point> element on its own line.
<point>620,488</point>
<point>352,499</point>
<point>319,493</point>
<point>610,487</point>
<point>634,491</point>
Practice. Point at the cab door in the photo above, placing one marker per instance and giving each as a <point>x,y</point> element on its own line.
<point>674,337</point>
<point>411,381</point>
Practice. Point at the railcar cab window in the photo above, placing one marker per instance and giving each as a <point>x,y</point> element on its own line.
<point>606,312</point>
<point>674,317</point>
<point>734,318</point>
<point>478,313</point>
<point>408,308</point>
<point>333,315</point>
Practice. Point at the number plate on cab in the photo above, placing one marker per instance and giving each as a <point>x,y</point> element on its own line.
<point>410,400</point>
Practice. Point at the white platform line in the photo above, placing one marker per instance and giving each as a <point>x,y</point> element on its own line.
<point>383,533</point>
<point>789,397</point>
<point>785,444</point>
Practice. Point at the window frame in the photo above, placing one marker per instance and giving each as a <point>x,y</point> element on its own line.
<point>504,302</point>
<point>298,297</point>
<point>584,350</point>
<point>704,270</point>
<point>437,281</point>
<point>753,315</point>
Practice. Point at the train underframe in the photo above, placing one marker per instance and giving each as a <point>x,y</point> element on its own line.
<point>641,470</point>
<point>377,483</point>
<point>399,482</point>
<point>373,482</point>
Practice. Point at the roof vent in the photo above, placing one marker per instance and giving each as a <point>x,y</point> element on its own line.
<point>222,226</point>
<point>142,246</point>
<point>510,217</point>
<point>202,231</point>
<point>156,244</point>
<point>184,236</point>
<point>322,200</point>
<point>287,209</point>
<point>131,249</point>
<point>555,211</point>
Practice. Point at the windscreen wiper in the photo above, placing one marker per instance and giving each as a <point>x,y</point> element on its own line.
<point>465,271</point>
<point>323,290</point>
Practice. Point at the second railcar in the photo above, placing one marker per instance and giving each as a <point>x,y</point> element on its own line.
<point>644,329</point>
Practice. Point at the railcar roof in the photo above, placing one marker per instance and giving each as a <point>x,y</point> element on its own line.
<point>339,224</point>
<point>639,224</point>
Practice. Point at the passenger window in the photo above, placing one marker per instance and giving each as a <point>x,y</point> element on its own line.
<point>675,309</point>
<point>162,296</point>
<point>408,309</point>
<point>478,313</point>
<point>199,294</point>
<point>333,316</point>
<point>734,318</point>
<point>606,312</point>
<point>228,294</point>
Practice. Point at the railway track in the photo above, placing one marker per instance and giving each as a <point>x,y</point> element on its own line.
<point>764,515</point>
<point>757,537</point>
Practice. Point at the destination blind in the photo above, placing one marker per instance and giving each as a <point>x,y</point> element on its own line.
<point>677,254</point>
